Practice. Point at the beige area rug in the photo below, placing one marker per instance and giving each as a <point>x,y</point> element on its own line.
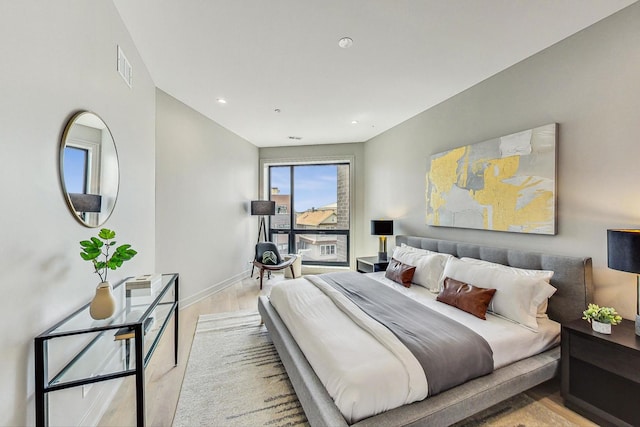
<point>518,411</point>
<point>234,377</point>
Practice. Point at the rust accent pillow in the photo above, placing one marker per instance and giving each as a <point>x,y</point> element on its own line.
<point>466,297</point>
<point>399,272</point>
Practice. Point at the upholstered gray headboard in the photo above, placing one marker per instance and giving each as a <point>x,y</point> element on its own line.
<point>572,277</point>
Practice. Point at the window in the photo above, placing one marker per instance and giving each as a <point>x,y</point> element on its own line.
<point>312,211</point>
<point>327,249</point>
<point>76,166</point>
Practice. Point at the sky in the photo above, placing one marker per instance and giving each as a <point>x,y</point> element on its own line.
<point>74,169</point>
<point>315,185</point>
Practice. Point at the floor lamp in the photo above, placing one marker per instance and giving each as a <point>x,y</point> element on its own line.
<point>262,208</point>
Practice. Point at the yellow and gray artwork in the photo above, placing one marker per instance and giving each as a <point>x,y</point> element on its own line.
<point>503,184</point>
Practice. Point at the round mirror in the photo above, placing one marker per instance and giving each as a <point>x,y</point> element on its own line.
<point>89,170</point>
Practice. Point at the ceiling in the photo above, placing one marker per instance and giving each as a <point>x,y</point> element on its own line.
<point>407,56</point>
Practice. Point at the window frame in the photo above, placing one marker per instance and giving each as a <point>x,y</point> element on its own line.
<point>266,165</point>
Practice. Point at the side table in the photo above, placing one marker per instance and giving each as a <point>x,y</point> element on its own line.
<point>102,347</point>
<point>601,373</point>
<point>371,264</point>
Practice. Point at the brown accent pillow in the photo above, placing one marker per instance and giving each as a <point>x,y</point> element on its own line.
<point>466,297</point>
<point>399,272</point>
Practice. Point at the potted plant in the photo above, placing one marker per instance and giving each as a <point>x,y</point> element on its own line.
<point>601,318</point>
<point>98,250</point>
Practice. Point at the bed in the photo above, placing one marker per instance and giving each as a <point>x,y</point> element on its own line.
<point>572,279</point>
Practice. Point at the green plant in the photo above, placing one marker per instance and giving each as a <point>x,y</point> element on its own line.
<point>101,246</point>
<point>601,314</point>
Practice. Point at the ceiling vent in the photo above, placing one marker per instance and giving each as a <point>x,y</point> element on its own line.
<point>295,138</point>
<point>124,68</point>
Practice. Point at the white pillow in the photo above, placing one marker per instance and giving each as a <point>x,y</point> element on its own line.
<point>517,297</point>
<point>545,275</point>
<point>429,265</point>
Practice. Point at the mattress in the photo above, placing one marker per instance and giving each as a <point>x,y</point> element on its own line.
<point>369,376</point>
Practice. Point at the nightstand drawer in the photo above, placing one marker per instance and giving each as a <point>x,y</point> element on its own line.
<point>607,356</point>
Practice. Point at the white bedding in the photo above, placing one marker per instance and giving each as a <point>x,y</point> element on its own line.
<point>372,375</point>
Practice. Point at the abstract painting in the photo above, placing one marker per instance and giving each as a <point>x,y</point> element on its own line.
<point>503,184</point>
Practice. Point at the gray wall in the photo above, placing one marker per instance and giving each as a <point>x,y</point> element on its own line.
<point>57,58</point>
<point>589,84</point>
<point>205,178</point>
<point>318,152</point>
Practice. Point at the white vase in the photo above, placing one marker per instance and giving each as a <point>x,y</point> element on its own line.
<point>603,328</point>
<point>103,304</point>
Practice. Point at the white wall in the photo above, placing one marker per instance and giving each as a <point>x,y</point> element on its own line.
<point>205,178</point>
<point>57,58</point>
<point>589,84</point>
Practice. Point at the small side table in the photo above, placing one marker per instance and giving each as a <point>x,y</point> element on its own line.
<point>371,264</point>
<point>601,373</point>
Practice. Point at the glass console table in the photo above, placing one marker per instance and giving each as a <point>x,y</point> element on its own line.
<point>79,350</point>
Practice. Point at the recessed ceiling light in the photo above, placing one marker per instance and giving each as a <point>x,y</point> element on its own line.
<point>345,42</point>
<point>354,122</point>
<point>221,101</point>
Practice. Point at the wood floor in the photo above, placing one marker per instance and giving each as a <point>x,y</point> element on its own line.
<point>163,380</point>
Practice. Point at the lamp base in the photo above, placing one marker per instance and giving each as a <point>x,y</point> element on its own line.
<point>638,324</point>
<point>382,248</point>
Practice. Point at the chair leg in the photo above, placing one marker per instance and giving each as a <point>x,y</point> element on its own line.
<point>261,275</point>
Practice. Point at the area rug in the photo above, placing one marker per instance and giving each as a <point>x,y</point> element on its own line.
<point>518,411</point>
<point>234,377</point>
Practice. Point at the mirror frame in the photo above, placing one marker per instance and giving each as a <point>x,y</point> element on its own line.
<point>99,217</point>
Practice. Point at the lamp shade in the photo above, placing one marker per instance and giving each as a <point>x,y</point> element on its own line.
<point>623,249</point>
<point>263,207</point>
<point>382,227</point>
<point>86,202</point>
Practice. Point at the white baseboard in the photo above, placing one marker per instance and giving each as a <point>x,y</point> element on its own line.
<point>213,289</point>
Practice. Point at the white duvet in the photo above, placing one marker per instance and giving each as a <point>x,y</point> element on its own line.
<point>372,371</point>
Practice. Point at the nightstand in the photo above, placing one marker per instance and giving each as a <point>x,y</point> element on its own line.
<point>601,373</point>
<point>370,264</point>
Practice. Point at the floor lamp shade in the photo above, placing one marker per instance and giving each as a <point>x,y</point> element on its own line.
<point>263,207</point>
<point>86,202</point>
<point>382,228</point>
<point>623,253</point>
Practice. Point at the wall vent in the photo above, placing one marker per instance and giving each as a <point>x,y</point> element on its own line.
<point>124,68</point>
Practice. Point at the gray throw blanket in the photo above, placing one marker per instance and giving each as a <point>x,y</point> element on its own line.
<point>449,352</point>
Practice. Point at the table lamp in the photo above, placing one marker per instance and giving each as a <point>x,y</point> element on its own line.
<point>262,208</point>
<point>382,228</point>
<point>623,249</point>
